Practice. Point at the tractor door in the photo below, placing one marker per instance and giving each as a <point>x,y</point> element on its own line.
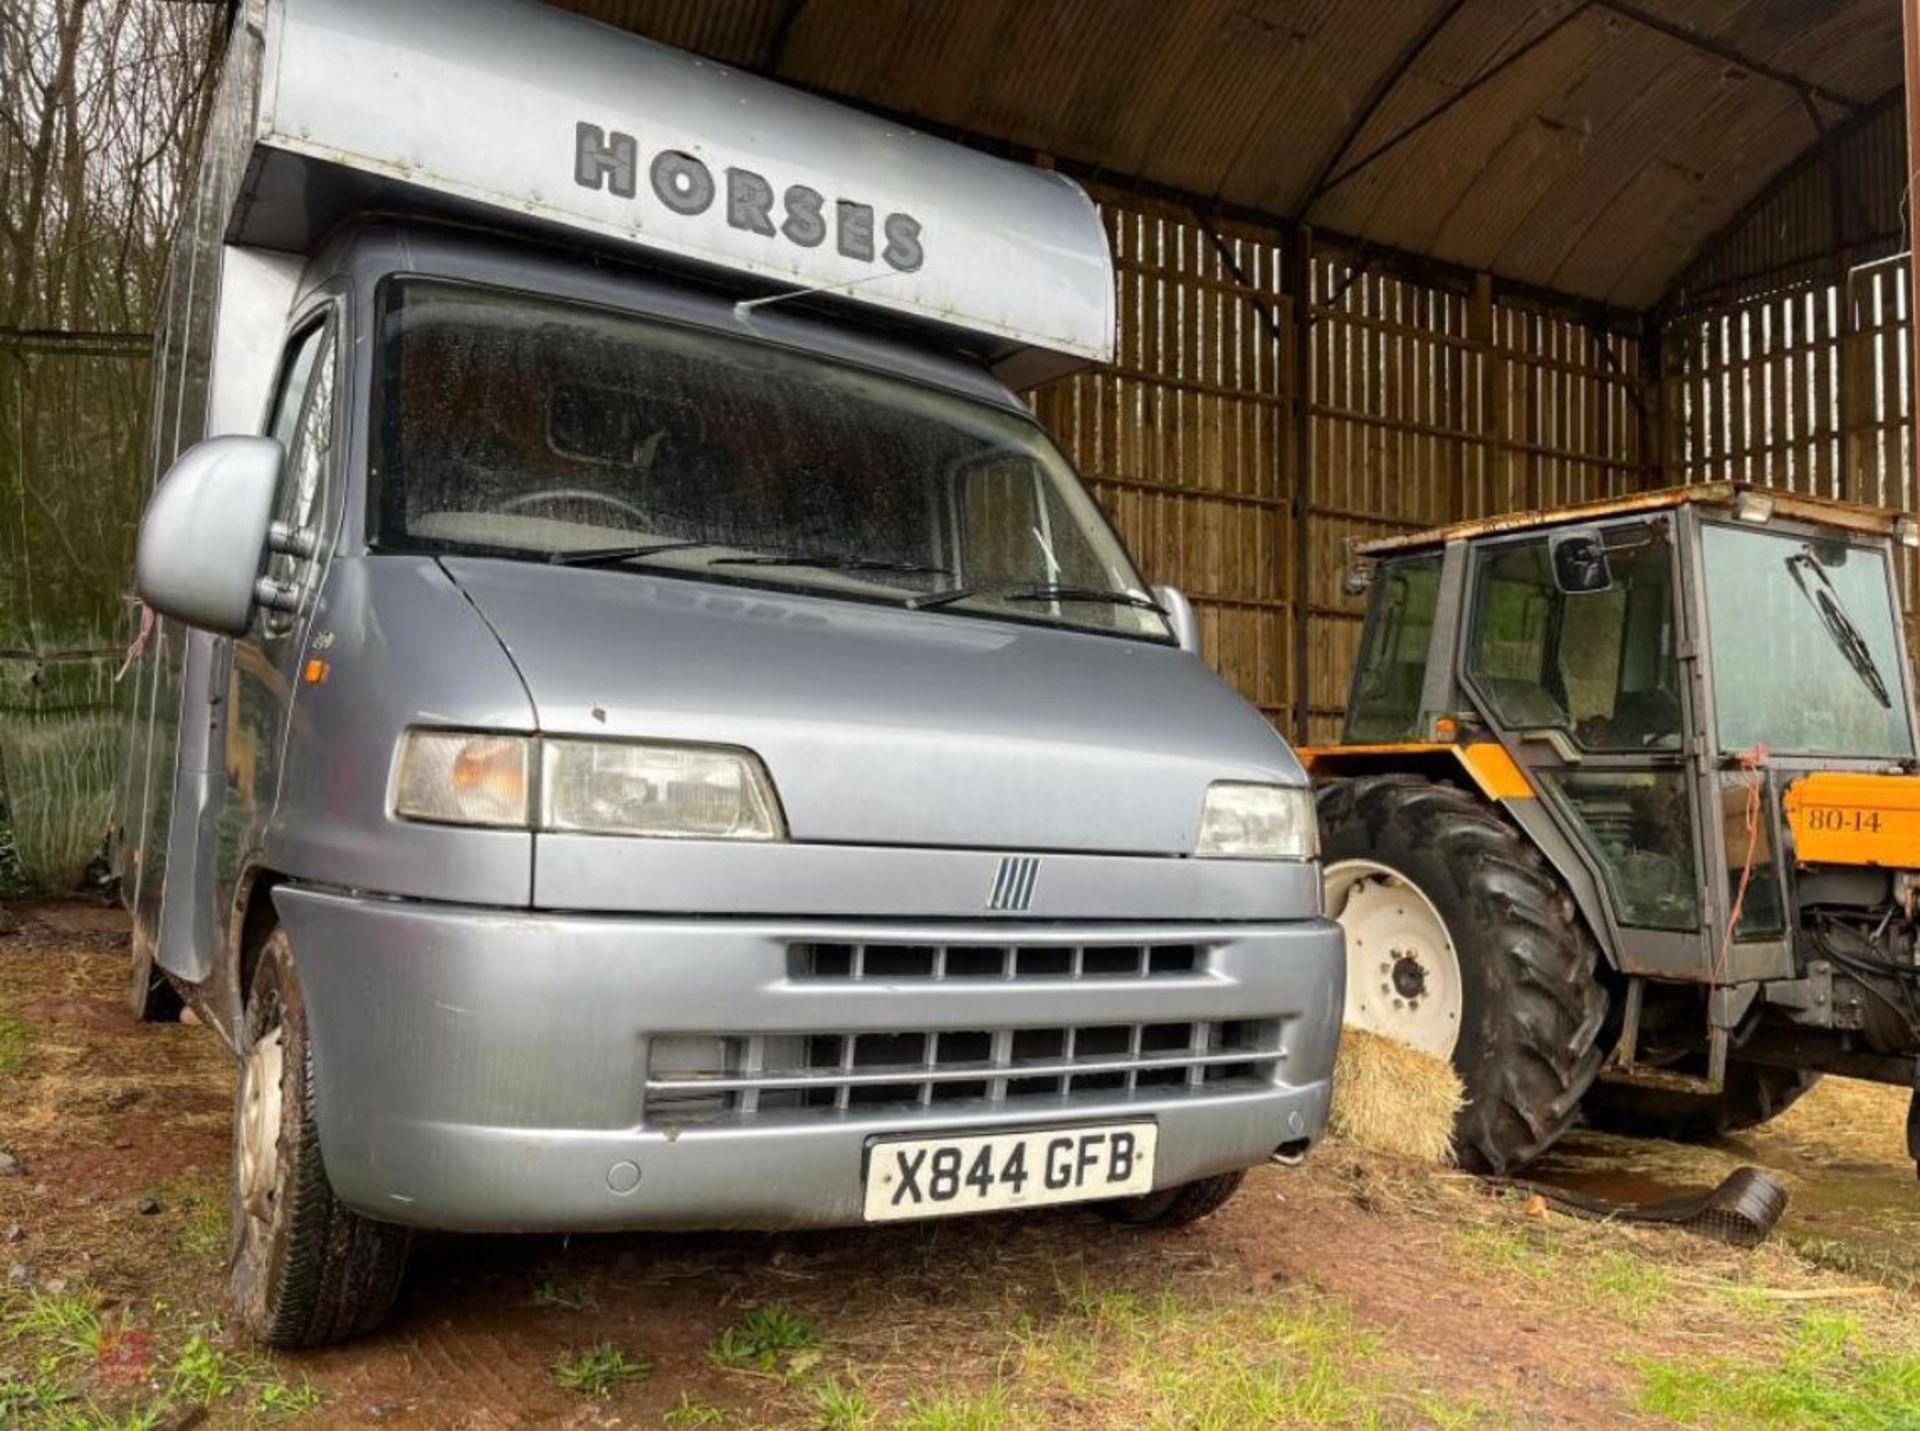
<point>1572,654</point>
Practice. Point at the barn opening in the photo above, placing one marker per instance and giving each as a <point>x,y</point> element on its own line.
<point>1387,266</point>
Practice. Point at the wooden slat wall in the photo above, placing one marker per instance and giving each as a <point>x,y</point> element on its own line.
<point>1810,389</point>
<point>1430,406</point>
<point>1186,437</point>
<point>1423,405</point>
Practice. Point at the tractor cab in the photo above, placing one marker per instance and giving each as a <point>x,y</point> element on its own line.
<point>1624,809</point>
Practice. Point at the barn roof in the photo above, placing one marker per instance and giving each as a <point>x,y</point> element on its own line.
<point>1589,147</point>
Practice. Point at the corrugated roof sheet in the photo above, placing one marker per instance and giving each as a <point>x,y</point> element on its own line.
<point>1585,148</point>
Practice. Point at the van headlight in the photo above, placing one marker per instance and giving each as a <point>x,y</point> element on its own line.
<point>601,787</point>
<point>1243,821</point>
<point>450,777</point>
<point>675,792</point>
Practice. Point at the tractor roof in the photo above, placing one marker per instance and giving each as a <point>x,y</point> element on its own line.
<point>1800,506</point>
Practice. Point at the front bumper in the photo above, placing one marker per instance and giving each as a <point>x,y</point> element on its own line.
<point>492,1070</point>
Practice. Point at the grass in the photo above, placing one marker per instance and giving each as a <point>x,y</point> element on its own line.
<point>600,1370</point>
<point>688,1412</point>
<point>61,776</point>
<point>1832,1375</point>
<point>66,1324</point>
<point>1165,1360</point>
<point>567,1296</point>
<point>72,1348</point>
<point>842,1407</point>
<point>277,1400</point>
<point>203,1211</point>
<point>41,1392</point>
<point>768,1339</point>
<point>13,1044</point>
<point>203,1374</point>
<point>989,1410</point>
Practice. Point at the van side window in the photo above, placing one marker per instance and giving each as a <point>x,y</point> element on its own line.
<point>303,423</point>
<point>1392,669</point>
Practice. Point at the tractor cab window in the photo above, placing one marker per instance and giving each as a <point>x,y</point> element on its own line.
<point>1392,669</point>
<point>1805,642</point>
<point>1597,665</point>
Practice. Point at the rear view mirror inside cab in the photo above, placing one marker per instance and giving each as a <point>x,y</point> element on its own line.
<point>1580,562</point>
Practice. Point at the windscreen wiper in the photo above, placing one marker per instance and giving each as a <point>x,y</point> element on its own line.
<point>614,556</point>
<point>1846,636</point>
<point>832,563</point>
<point>1037,592</point>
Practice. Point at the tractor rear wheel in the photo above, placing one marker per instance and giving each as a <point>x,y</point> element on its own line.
<point>1463,941</point>
<point>1752,1095</point>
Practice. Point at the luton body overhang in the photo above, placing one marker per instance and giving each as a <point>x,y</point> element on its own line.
<point>517,115</point>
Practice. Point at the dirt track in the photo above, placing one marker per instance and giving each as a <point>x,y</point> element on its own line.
<point>1345,1291</point>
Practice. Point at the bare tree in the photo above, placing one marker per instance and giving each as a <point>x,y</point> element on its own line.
<point>100,104</point>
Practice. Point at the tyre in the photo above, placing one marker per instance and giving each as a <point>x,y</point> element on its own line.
<point>1464,942</point>
<point>1753,1094</point>
<point>151,997</point>
<point>1175,1206</point>
<point>305,1270</point>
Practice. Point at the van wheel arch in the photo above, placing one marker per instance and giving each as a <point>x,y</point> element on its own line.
<point>254,920</point>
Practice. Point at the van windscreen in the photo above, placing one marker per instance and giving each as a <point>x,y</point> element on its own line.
<point>529,429</point>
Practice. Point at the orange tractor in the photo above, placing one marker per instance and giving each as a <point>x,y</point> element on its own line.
<point>1625,819</point>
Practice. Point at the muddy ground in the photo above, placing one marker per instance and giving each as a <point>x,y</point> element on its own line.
<point>1350,1291</point>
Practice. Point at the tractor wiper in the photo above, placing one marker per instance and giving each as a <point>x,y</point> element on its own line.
<point>825,562</point>
<point>1846,636</point>
<point>1037,592</point>
<point>615,556</point>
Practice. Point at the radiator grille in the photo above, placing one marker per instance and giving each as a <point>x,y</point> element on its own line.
<point>714,1075</point>
<point>995,961</point>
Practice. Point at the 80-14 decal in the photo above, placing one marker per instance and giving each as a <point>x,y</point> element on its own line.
<point>1852,822</point>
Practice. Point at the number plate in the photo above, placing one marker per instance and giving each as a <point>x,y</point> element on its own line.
<point>991,1172</point>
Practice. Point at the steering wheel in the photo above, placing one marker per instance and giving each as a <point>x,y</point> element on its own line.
<point>573,494</point>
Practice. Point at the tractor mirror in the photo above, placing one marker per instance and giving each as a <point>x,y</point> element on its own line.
<point>1580,562</point>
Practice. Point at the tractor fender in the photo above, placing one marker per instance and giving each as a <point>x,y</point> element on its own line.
<point>1501,780</point>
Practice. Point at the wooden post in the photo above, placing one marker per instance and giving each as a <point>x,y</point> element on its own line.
<point>1653,406</point>
<point>1491,419</point>
<point>1910,28</point>
<point>1300,291</point>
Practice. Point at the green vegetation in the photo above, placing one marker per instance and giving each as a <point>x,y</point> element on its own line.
<point>65,1342</point>
<point>568,1296</point>
<point>1831,1375</point>
<point>986,1411</point>
<point>202,1206</point>
<point>13,1044</point>
<point>768,1339</point>
<point>64,1325</point>
<point>277,1400</point>
<point>203,1374</point>
<point>599,1370</point>
<point>689,1412</point>
<point>842,1407</point>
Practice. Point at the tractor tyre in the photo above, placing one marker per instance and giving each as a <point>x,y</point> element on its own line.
<point>1462,940</point>
<point>305,1270</point>
<point>1753,1094</point>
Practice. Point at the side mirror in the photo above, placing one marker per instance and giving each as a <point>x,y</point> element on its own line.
<point>1179,613</point>
<point>1580,561</point>
<point>203,541</point>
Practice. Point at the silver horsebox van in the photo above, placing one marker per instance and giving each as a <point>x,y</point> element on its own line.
<point>637,726</point>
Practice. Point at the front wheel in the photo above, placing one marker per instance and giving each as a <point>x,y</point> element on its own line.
<point>1174,1206</point>
<point>305,1269</point>
<point>1463,942</point>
